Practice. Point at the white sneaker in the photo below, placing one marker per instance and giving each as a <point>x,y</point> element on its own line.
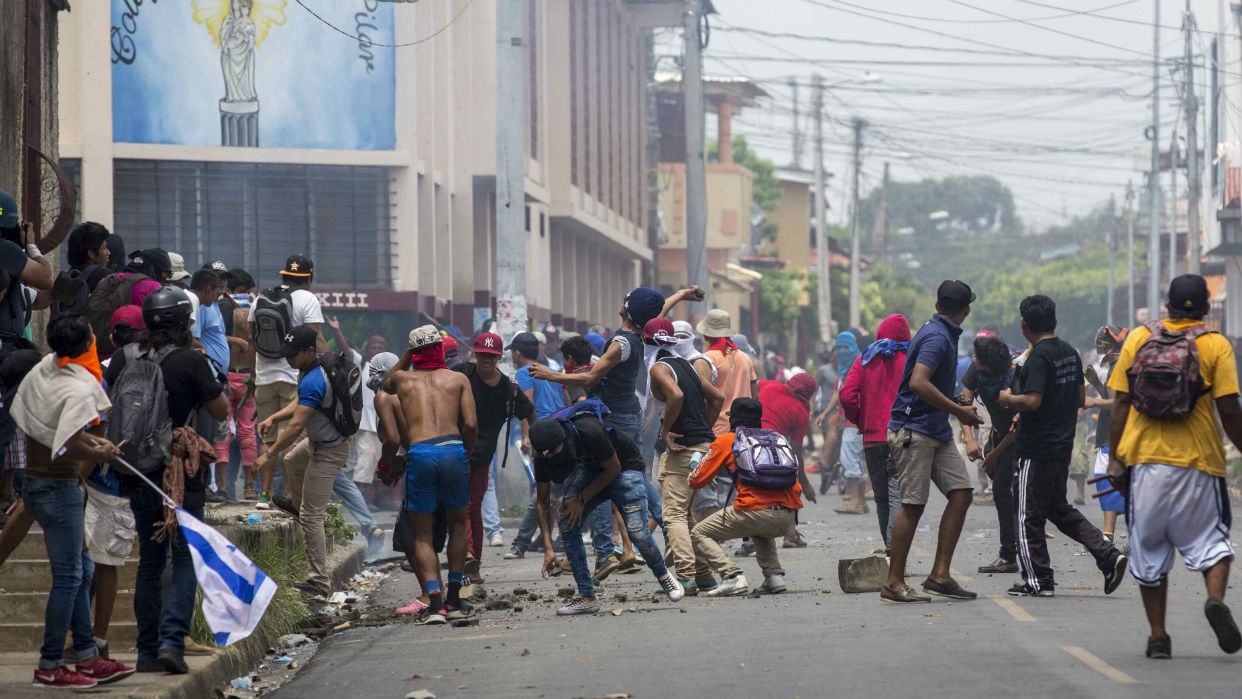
<point>673,588</point>
<point>729,588</point>
<point>579,606</point>
<point>496,540</point>
<point>774,584</point>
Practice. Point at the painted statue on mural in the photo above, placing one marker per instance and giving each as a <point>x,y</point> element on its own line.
<point>238,28</point>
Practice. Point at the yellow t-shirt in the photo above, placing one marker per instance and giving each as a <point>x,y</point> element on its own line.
<point>1195,440</point>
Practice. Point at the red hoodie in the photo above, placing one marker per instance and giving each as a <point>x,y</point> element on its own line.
<point>869,391</point>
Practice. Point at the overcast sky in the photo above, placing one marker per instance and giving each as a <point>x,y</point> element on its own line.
<point>1058,118</point>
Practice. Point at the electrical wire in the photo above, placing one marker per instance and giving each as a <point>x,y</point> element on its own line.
<point>368,42</point>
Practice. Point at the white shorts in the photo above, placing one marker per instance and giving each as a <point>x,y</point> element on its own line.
<point>364,456</point>
<point>1176,508</point>
<point>110,532</point>
<point>852,453</point>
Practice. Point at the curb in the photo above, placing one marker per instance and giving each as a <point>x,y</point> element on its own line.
<point>222,667</point>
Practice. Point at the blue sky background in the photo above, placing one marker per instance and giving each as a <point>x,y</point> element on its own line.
<point>313,86</point>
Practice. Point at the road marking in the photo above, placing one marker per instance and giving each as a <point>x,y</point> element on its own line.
<point>1018,613</point>
<point>1095,663</point>
<point>960,575</point>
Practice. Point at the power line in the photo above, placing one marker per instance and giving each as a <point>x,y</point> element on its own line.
<point>1050,29</point>
<point>1091,13</point>
<point>368,42</point>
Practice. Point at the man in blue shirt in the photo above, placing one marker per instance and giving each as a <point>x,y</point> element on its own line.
<point>921,445</point>
<point>208,327</point>
<point>546,396</point>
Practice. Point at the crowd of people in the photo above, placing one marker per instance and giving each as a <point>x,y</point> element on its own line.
<point>660,432</point>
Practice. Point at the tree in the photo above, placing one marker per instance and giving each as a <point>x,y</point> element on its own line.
<point>765,188</point>
<point>975,206</point>
<point>780,300</point>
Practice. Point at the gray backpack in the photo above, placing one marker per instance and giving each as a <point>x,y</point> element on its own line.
<point>139,414</point>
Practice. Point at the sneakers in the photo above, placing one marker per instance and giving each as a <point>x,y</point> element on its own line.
<point>515,552</point>
<point>1114,575</point>
<point>1021,589</point>
<point>746,549</point>
<point>605,567</point>
<point>580,605</point>
<point>285,504</point>
<point>1160,648</point>
<point>706,585</point>
<point>265,502</point>
<point>103,671</point>
<point>949,588</point>
<point>906,595</point>
<point>1000,565</point>
<point>216,497</point>
<point>496,540</point>
<point>1222,622</point>
<point>773,584</point>
<point>310,590</point>
<point>690,587</point>
<point>672,587</point>
<point>431,617</point>
<point>250,494</point>
<point>797,541</point>
<point>461,611</point>
<point>192,647</point>
<point>729,588</point>
<point>413,607</point>
<point>62,678</point>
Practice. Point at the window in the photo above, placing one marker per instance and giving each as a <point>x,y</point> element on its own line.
<point>254,215</point>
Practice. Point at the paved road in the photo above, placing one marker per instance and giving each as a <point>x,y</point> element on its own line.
<point>811,641</point>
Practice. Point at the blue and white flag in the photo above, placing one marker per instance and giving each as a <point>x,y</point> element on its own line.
<point>235,591</point>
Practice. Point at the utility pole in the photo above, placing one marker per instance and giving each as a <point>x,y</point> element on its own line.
<point>1213,142</point>
<point>879,235</point>
<point>1130,251</point>
<point>1153,180</point>
<point>855,273</point>
<point>510,154</point>
<point>1171,212</point>
<point>1112,253</point>
<point>696,177</point>
<point>796,163</point>
<point>824,280</point>
<point>1192,151</point>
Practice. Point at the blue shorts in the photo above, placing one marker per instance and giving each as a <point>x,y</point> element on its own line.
<point>437,472</point>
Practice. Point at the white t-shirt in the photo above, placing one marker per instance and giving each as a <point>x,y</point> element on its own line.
<point>369,418</point>
<point>306,310</point>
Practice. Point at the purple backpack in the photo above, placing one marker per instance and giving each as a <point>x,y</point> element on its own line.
<point>764,459</point>
<point>1165,382</point>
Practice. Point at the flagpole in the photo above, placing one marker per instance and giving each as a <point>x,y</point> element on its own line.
<point>167,500</point>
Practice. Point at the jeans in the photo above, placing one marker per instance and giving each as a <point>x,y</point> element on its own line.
<point>161,626</point>
<point>57,507</point>
<point>626,491</point>
<point>632,424</point>
<point>883,474</point>
<point>1002,497</point>
<point>491,507</point>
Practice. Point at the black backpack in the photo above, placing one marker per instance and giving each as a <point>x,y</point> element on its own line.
<point>273,319</point>
<point>344,379</point>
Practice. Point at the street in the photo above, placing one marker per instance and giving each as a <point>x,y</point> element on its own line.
<point>811,641</point>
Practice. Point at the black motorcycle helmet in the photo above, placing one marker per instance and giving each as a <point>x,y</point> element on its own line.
<point>166,308</point>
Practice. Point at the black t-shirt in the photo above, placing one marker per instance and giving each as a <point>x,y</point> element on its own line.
<point>190,382</point>
<point>13,308</point>
<point>1002,418</point>
<point>1054,370</point>
<point>589,446</point>
<point>491,406</point>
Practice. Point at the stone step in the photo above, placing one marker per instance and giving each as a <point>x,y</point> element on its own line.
<point>31,548</point>
<point>26,575</point>
<point>23,607</point>
<point>16,637</point>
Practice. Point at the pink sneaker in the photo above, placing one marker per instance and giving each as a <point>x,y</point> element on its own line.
<point>412,608</point>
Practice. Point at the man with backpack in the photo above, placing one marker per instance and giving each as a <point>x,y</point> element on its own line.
<point>86,250</point>
<point>273,315</point>
<point>145,274</point>
<point>1050,393</point>
<point>787,411</point>
<point>597,464</point>
<point>313,461</point>
<point>1167,455</point>
<point>765,478</point>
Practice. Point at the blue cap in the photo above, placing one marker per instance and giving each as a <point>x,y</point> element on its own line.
<point>597,343</point>
<point>643,304</point>
<point>8,211</point>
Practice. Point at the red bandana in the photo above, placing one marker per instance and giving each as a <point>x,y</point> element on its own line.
<point>429,358</point>
<point>723,345</point>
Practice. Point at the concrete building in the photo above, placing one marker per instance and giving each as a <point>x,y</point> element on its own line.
<point>247,137</point>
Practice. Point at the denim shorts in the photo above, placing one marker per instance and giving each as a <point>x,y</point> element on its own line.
<point>437,471</point>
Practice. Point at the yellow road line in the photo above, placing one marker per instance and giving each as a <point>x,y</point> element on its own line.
<point>1018,613</point>
<point>1095,663</point>
<point>959,575</point>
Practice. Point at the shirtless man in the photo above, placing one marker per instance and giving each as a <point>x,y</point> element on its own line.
<point>434,401</point>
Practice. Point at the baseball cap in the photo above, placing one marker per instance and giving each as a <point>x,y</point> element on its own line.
<point>130,314</point>
<point>802,386</point>
<point>158,258</point>
<point>642,304</point>
<point>296,341</point>
<point>526,343</point>
<point>178,267</point>
<point>545,435</point>
<point>746,409</point>
<point>543,339</point>
<point>298,266</point>
<point>217,266</point>
<point>488,343</point>
<point>1189,294</point>
<point>424,336</point>
<point>954,294</point>
<point>450,344</point>
<point>659,331</point>
<point>8,211</point>
<point>984,333</point>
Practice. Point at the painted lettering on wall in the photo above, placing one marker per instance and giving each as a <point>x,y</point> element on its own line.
<point>123,50</point>
<point>356,300</point>
<point>362,22</point>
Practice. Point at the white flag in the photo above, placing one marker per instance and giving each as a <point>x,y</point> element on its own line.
<point>235,591</point>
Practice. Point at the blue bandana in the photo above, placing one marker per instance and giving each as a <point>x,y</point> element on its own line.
<point>884,348</point>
